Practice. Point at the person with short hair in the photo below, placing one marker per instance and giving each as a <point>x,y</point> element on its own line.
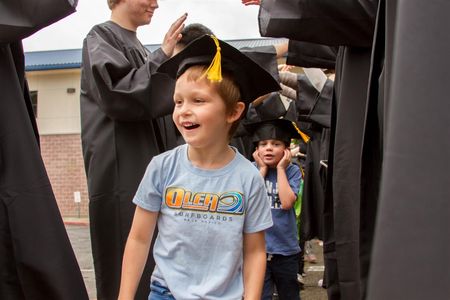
<point>208,201</point>
<point>190,33</point>
<point>125,120</point>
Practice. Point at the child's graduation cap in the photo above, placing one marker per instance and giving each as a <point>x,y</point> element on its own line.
<point>276,129</point>
<point>252,79</point>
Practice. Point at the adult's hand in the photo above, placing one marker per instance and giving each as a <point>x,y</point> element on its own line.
<point>251,2</point>
<point>173,35</point>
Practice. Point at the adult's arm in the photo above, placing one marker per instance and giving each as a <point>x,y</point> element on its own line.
<point>289,81</point>
<point>127,85</point>
<point>123,91</point>
<point>288,92</point>
<point>328,22</point>
<point>310,55</point>
<point>314,105</point>
<point>21,18</point>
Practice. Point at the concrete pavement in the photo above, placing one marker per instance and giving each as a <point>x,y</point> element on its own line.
<point>78,231</point>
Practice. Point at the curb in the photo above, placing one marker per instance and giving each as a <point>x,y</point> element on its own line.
<point>76,222</point>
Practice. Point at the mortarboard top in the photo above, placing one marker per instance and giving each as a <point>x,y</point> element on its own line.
<point>265,56</point>
<point>252,79</point>
<point>276,129</point>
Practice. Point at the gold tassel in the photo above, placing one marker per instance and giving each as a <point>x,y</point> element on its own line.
<point>304,136</point>
<point>214,71</point>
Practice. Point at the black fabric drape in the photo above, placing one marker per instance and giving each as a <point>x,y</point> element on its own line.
<point>314,114</point>
<point>311,219</point>
<point>350,25</point>
<point>410,78</point>
<point>21,18</point>
<point>309,55</point>
<point>332,23</point>
<point>313,106</point>
<point>36,258</point>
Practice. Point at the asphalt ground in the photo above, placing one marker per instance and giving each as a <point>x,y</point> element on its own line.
<point>78,231</point>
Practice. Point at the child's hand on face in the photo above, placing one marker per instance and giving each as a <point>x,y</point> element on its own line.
<point>259,162</point>
<point>286,160</point>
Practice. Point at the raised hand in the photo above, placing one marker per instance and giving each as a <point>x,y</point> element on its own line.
<point>251,2</point>
<point>259,162</point>
<point>173,35</point>
<point>284,68</point>
<point>263,168</point>
<point>286,160</point>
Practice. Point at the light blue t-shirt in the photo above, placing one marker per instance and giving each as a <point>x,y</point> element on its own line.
<point>203,216</point>
<point>282,237</point>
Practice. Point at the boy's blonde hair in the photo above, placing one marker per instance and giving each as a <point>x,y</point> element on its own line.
<point>227,89</point>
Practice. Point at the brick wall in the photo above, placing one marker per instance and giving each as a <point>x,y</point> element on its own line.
<point>64,163</point>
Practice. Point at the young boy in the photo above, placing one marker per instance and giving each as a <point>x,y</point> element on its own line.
<point>282,179</point>
<point>208,201</point>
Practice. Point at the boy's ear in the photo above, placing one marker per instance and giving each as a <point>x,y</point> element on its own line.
<point>237,112</point>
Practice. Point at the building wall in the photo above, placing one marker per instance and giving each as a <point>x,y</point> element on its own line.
<point>58,119</point>
<point>64,163</point>
<point>58,112</point>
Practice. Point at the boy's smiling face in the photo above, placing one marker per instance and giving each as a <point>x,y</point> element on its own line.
<point>200,113</point>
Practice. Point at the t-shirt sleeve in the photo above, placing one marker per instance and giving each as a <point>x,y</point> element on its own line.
<point>294,176</point>
<point>149,193</point>
<point>258,214</point>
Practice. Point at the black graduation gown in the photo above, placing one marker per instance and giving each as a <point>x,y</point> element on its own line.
<point>310,55</point>
<point>409,88</point>
<point>348,24</point>
<point>314,113</point>
<point>36,258</point>
<point>123,105</point>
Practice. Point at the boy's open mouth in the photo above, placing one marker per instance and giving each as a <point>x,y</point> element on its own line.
<point>190,126</point>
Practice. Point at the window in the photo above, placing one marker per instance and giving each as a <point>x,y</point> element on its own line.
<point>34,99</point>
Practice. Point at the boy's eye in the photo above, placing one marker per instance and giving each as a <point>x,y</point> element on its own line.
<point>199,100</point>
<point>178,102</point>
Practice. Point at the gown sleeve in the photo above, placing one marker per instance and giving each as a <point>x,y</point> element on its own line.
<point>21,18</point>
<point>310,55</point>
<point>328,22</point>
<point>312,105</point>
<point>123,89</point>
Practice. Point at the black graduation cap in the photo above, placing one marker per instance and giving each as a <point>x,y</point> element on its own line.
<point>252,79</point>
<point>276,129</point>
<point>265,56</point>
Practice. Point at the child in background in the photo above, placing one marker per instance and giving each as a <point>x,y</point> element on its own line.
<point>282,180</point>
<point>208,201</point>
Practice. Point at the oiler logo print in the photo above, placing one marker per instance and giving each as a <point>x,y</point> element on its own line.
<point>225,203</point>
